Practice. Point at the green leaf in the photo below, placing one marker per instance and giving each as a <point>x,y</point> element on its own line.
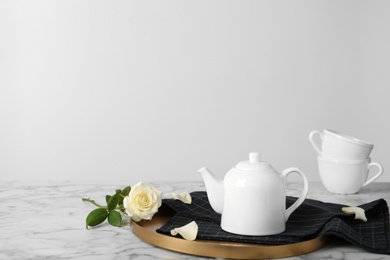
<point>120,201</point>
<point>96,216</point>
<point>126,191</point>
<point>113,201</point>
<point>115,218</point>
<point>108,198</point>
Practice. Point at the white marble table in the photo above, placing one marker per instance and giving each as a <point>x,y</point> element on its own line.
<point>46,220</point>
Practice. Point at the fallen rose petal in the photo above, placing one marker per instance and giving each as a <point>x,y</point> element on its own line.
<point>188,232</point>
<point>359,212</point>
<point>184,197</point>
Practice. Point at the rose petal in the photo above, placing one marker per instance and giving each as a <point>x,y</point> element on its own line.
<point>359,212</point>
<point>188,231</point>
<point>184,197</point>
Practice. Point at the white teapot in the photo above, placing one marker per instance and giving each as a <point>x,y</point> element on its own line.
<point>252,198</point>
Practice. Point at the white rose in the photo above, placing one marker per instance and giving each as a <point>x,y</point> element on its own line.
<point>143,202</point>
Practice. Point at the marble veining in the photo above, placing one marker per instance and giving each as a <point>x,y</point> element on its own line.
<point>46,220</point>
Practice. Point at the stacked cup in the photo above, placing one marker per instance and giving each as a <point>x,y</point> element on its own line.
<point>343,161</point>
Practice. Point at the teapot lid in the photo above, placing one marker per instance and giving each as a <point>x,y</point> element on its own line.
<point>254,164</point>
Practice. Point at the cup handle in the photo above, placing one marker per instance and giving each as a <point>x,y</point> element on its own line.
<point>380,167</point>
<point>313,143</point>
<point>303,195</point>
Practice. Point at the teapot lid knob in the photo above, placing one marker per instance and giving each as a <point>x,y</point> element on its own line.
<point>254,157</point>
<point>254,164</point>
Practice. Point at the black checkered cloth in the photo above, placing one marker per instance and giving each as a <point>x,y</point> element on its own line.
<point>312,219</point>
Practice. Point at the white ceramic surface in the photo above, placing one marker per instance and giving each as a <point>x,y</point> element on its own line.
<point>252,197</point>
<point>334,145</point>
<point>347,177</point>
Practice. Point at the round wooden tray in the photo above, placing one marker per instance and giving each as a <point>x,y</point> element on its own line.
<point>146,231</point>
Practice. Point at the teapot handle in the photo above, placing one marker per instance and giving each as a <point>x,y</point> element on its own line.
<point>303,195</point>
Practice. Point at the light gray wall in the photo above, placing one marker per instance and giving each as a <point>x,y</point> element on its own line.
<point>153,90</point>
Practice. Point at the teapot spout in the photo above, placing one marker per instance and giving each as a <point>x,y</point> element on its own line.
<point>215,189</point>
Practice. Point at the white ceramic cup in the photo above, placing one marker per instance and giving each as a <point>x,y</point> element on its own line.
<point>339,146</point>
<point>346,177</point>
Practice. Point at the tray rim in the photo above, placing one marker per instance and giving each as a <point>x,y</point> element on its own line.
<point>146,231</point>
